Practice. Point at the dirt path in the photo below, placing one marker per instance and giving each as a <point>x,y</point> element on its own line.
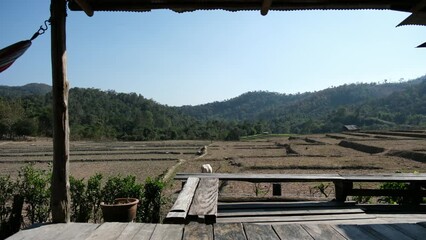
<point>171,170</point>
<point>167,177</point>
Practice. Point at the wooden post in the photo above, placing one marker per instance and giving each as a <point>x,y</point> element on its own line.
<point>276,189</point>
<point>60,198</point>
<point>341,189</point>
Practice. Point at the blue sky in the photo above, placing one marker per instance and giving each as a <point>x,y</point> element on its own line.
<point>204,56</point>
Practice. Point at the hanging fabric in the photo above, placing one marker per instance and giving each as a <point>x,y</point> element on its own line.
<point>8,55</point>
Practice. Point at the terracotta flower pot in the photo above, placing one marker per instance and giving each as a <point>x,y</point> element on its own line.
<point>123,210</point>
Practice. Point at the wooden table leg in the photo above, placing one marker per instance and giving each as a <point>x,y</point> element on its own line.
<point>342,188</point>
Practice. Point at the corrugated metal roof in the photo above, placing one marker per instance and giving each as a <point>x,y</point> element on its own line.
<point>351,127</point>
<point>416,7</point>
<point>239,5</point>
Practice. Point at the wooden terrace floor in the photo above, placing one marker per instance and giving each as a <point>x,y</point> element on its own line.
<point>379,229</point>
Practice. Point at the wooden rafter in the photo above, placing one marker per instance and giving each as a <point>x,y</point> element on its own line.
<point>85,6</point>
<point>266,4</point>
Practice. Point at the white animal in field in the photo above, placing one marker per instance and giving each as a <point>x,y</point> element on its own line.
<point>206,168</point>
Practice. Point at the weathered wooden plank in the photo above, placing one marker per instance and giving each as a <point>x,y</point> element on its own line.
<point>383,231</point>
<point>179,211</point>
<point>267,219</point>
<point>412,230</point>
<point>250,177</point>
<point>196,231</point>
<point>322,231</point>
<point>205,200</point>
<point>353,232</point>
<point>108,230</point>
<point>184,199</point>
<point>167,232</point>
<point>41,232</point>
<point>275,212</point>
<point>145,231</point>
<point>176,217</point>
<point>129,231</point>
<point>76,231</point>
<point>333,222</point>
<point>259,232</point>
<point>289,205</point>
<point>393,177</point>
<point>228,231</point>
<point>291,232</point>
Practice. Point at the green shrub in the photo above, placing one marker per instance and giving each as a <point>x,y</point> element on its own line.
<point>94,195</point>
<point>80,209</point>
<point>121,187</point>
<point>151,203</point>
<point>34,187</point>
<point>7,190</point>
<point>396,186</point>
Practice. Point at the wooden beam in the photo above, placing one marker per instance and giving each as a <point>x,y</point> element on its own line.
<point>60,195</point>
<point>183,202</point>
<point>180,209</point>
<point>205,198</point>
<point>266,5</point>
<point>85,6</point>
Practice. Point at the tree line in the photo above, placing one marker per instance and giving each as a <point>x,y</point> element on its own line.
<point>96,114</point>
<point>100,115</point>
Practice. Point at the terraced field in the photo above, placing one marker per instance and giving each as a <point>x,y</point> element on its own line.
<point>321,153</point>
<point>142,159</point>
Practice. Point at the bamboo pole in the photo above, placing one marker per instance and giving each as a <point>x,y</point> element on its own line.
<point>60,198</point>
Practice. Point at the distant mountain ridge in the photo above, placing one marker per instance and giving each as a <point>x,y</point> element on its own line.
<point>26,90</point>
<point>263,104</point>
<point>96,114</point>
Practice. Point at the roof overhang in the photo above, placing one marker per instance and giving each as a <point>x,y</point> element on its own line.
<point>241,5</point>
<point>416,7</point>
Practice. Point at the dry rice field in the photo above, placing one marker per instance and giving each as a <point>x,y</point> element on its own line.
<point>319,154</point>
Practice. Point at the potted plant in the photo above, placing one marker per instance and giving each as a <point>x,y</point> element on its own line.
<point>122,210</point>
<point>120,197</point>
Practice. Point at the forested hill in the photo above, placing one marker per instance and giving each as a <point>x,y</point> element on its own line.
<point>26,90</point>
<point>386,105</point>
<point>264,105</point>
<point>96,114</point>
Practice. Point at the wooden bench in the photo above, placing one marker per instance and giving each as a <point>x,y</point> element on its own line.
<point>198,199</point>
<point>343,182</point>
<point>412,195</point>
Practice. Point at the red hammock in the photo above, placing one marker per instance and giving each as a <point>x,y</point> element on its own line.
<point>9,54</point>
